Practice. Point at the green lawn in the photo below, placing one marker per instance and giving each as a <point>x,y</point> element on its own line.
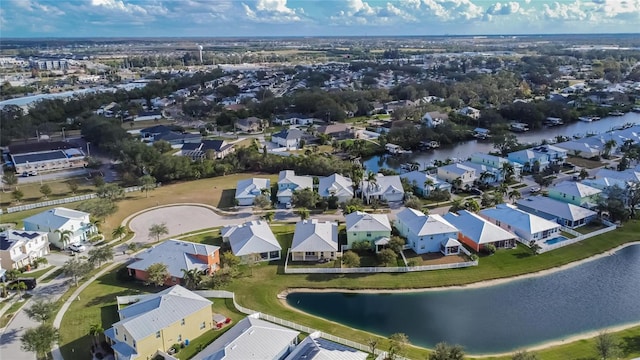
<point>8,315</point>
<point>35,273</point>
<point>51,276</point>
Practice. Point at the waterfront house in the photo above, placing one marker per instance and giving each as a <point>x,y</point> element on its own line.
<point>336,185</point>
<point>251,339</point>
<point>215,149</point>
<point>288,182</point>
<point>314,240</point>
<point>452,172</point>
<point>424,233</point>
<point>252,240</point>
<point>580,148</point>
<point>385,188</point>
<point>157,322</point>
<point>496,163</point>
<point>529,159</point>
<point>19,248</point>
<point>423,183</point>
<point>575,193</point>
<point>176,255</point>
<point>526,226</point>
<point>470,112</point>
<point>336,131</point>
<point>476,232</point>
<point>288,138</point>
<point>564,213</point>
<point>314,347</point>
<point>361,226</point>
<point>248,189</point>
<point>63,226</point>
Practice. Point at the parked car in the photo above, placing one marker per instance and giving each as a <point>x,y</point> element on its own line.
<point>77,247</point>
<point>476,191</point>
<point>30,282</point>
<point>29,173</point>
<point>534,189</point>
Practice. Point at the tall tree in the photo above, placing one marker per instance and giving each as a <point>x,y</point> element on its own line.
<point>110,191</point>
<point>19,286</point>
<point>41,311</point>
<point>157,274</point>
<point>514,195</point>
<point>387,257</point>
<point>262,201</point>
<point>45,190</point>
<point>303,213</point>
<point>147,183</point>
<point>157,230</point>
<point>65,237</point>
<point>17,195</point>
<point>119,232</point>
<point>40,340</point>
<point>10,179</point>
<point>398,343</point>
<point>100,254</point>
<point>606,346</point>
<point>95,330</point>
<point>444,351</point>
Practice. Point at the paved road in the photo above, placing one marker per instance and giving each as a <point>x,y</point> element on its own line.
<point>57,175</point>
<point>10,337</point>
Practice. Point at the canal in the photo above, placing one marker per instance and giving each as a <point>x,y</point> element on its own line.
<point>465,149</point>
<point>521,313</point>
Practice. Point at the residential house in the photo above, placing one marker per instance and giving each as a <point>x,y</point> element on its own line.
<point>288,182</point>
<point>156,322</point>
<point>252,241</point>
<point>314,240</point>
<point>470,112</point>
<point>496,165</point>
<point>373,228</point>
<point>20,248</point>
<point>575,193</point>
<point>148,115</point>
<point>541,156</point>
<point>248,189</point>
<point>218,149</point>
<point>476,232</point>
<point>426,233</point>
<point>564,213</point>
<point>288,138</point>
<point>293,119</point>
<point>177,255</point>
<point>314,347</point>
<point>582,149</point>
<point>526,226</point>
<point>336,131</point>
<point>628,175</point>
<point>161,132</point>
<point>336,185</point>
<point>385,188</point>
<point>424,183</point>
<point>452,172</point>
<point>251,339</point>
<point>63,226</point>
<point>250,124</point>
<point>434,118</point>
<point>605,183</point>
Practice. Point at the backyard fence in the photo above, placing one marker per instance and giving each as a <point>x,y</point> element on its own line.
<point>63,201</point>
<point>373,270</point>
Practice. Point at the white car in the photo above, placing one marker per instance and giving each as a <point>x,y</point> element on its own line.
<point>534,189</point>
<point>77,247</point>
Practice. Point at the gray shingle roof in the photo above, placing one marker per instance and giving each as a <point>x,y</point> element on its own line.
<point>519,219</point>
<point>312,235</point>
<point>313,347</point>
<point>421,224</point>
<point>250,188</point>
<point>176,254</point>
<point>555,208</point>
<point>476,228</point>
<point>253,237</point>
<point>361,221</point>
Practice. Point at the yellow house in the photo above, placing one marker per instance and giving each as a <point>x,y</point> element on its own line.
<point>157,322</point>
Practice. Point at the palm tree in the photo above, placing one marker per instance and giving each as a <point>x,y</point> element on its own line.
<point>428,186</point>
<point>508,171</point>
<point>95,330</point>
<point>610,144</point>
<point>457,183</point>
<point>486,175</point>
<point>65,237</point>
<point>514,195</point>
<point>191,278</point>
<point>119,232</point>
<point>157,230</point>
<point>268,216</point>
<point>503,188</point>
<point>18,286</point>
<point>457,205</point>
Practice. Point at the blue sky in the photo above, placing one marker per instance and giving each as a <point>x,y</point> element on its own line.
<point>221,18</point>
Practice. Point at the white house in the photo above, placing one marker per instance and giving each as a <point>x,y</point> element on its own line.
<point>425,233</point>
<point>314,347</point>
<point>564,213</point>
<point>452,172</point>
<point>527,226</point>
<point>424,183</point>
<point>20,248</point>
<point>434,118</point>
<point>251,339</point>
<point>288,182</point>
<point>248,189</point>
<point>470,112</point>
<point>253,238</point>
<point>314,240</point>
<point>63,226</point>
<point>387,188</point>
<point>288,138</point>
<point>336,185</point>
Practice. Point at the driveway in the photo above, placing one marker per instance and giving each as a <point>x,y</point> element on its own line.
<point>182,219</point>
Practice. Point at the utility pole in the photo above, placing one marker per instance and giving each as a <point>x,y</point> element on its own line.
<point>88,150</point>
<point>63,137</point>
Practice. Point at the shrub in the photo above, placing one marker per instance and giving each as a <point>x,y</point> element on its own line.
<point>489,249</point>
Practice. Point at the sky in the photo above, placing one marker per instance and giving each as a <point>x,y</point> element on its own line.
<point>228,18</point>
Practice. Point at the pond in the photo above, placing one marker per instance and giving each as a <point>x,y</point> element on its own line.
<point>594,295</point>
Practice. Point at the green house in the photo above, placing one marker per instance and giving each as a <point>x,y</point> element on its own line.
<point>374,228</point>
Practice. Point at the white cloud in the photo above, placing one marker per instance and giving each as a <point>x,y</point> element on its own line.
<point>272,11</point>
<point>118,5</point>
<point>570,12</point>
<point>447,10</point>
<point>507,8</point>
<point>616,8</point>
<point>363,13</point>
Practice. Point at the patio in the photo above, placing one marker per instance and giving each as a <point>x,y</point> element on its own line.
<point>433,258</point>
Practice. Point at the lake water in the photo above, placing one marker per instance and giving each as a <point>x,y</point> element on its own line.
<point>521,313</point>
<point>465,149</point>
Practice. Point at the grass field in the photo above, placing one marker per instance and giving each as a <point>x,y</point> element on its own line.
<point>32,193</point>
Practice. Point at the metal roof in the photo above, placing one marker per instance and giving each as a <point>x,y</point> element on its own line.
<point>313,235</point>
<point>556,208</point>
<point>476,228</point>
<point>573,188</point>
<point>421,224</point>
<point>362,221</point>
<point>519,219</point>
<point>36,157</point>
<point>176,255</point>
<point>336,185</point>
<point>253,237</point>
<point>56,218</point>
<point>250,188</point>
<point>313,347</point>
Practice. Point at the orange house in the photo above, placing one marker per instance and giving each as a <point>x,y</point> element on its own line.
<point>476,232</point>
<point>177,256</point>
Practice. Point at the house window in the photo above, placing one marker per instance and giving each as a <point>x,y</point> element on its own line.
<point>332,254</point>
<point>125,337</point>
<point>157,334</point>
<point>174,280</point>
<point>309,253</point>
<point>368,234</point>
<point>134,344</point>
<point>498,222</point>
<point>202,325</point>
<point>182,322</point>
<point>116,331</point>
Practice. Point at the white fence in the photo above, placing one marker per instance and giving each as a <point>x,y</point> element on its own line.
<point>578,238</point>
<point>373,270</point>
<point>63,201</point>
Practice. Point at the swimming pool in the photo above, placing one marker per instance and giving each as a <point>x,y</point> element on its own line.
<point>556,240</point>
